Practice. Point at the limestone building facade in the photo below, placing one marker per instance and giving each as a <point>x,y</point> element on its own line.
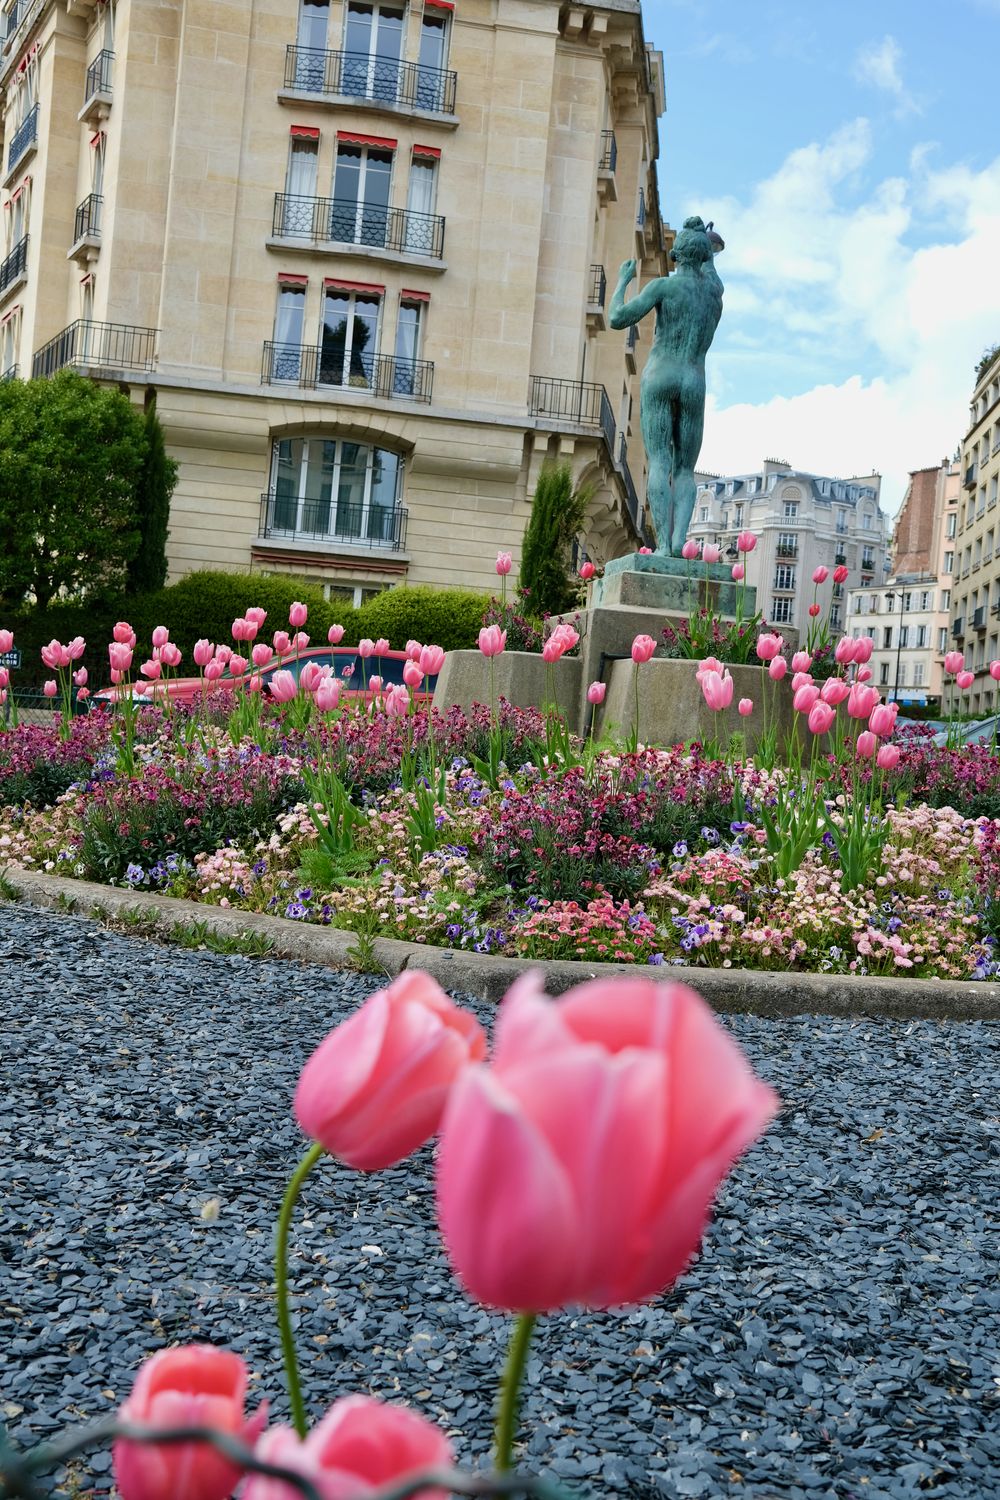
<point>975,609</point>
<point>359,252</point>
<point>802,521</point>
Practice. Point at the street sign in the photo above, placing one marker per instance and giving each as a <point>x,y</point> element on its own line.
<point>11,659</point>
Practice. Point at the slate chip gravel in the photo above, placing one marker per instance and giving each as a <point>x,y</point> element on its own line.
<point>839,1336</point>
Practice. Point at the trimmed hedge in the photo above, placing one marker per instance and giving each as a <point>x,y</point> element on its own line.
<point>205,604</point>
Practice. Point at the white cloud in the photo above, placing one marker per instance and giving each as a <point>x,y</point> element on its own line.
<point>878,63</point>
<point>866,305</point>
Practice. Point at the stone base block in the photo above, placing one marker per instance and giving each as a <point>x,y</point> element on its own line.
<point>520,676</point>
<point>672,707</point>
<point>670,584</point>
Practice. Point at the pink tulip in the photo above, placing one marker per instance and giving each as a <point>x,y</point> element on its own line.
<point>717,689</point>
<point>777,668</point>
<point>283,686</point>
<point>4,677</point>
<point>835,690</point>
<point>801,679</point>
<point>581,1166</point>
<point>327,694</point>
<point>237,665</point>
<point>596,693</point>
<point>709,664</point>
<point>300,641</point>
<point>821,574</point>
<point>887,758</point>
<point>3,697</point>
<point>587,571</point>
<point>347,671</point>
<point>745,706</point>
<point>861,700</point>
<point>746,541</point>
<point>261,654</point>
<point>120,656</point>
<point>412,674</point>
<point>124,634</point>
<point>361,1445</point>
<point>710,553</point>
<point>814,610</point>
<point>83,694</point>
<point>223,653</point>
<point>562,639</point>
<point>50,687</point>
<point>170,654</point>
<point>203,651</point>
<point>282,642</point>
<point>805,698</point>
<point>381,647</point>
<point>6,641</point>
<point>374,1090</point>
<point>768,646</point>
<point>995,670</point>
<point>161,635</point>
<point>645,551</point>
<point>116,676</point>
<point>55,655</point>
<point>863,648</point>
<point>739,572</point>
<point>964,680</point>
<point>863,674</point>
<point>310,677</point>
<point>689,551</point>
<point>413,650</point>
<point>503,563</point>
<point>882,719</point>
<point>79,678</point>
<point>801,661</point>
<point>840,574</point>
<point>866,744</point>
<point>214,669</point>
<point>152,670</point>
<point>335,634</point>
<point>492,640</point>
<point>366,648</point>
<point>254,683</point>
<point>256,615</point>
<point>642,649</point>
<point>297,615</point>
<point>954,662</point>
<point>76,648</point>
<point>196,1385</point>
<point>397,701</point>
<point>821,716</point>
<point>844,652</point>
<point>375,683</point>
<point>431,660</point>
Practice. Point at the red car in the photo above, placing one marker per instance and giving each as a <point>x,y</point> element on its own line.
<point>344,660</point>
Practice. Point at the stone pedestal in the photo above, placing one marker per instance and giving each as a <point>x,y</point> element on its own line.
<point>670,585</point>
<point>520,676</point>
<point>672,707</point>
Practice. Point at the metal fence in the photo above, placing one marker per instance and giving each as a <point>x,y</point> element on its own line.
<point>312,365</point>
<point>115,346</point>
<point>358,75</point>
<point>345,221</point>
<point>331,520</point>
<point>573,401</point>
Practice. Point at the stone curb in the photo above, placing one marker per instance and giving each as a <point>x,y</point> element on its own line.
<point>733,991</point>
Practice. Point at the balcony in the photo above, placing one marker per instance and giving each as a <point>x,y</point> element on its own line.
<point>607,186</point>
<point>840,559</point>
<point>382,375</point>
<point>333,222</point>
<point>24,139</point>
<point>597,291</point>
<point>11,373</point>
<point>572,403</point>
<point>995,610</point>
<point>355,77</point>
<point>958,629</point>
<point>784,549</point>
<point>631,495</point>
<point>14,269</point>
<point>979,618</point>
<point>87,229</point>
<point>970,476</point>
<point>90,345</point>
<point>294,520</point>
<point>631,339</point>
<point>15,14</point>
<point>841,528</point>
<point>97,89</point>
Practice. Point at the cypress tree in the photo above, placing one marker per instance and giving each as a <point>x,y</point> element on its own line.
<point>557,513</point>
<point>148,569</point>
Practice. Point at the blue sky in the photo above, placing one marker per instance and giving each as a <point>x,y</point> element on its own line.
<point>850,155</point>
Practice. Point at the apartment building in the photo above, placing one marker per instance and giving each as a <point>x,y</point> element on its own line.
<point>907,617</point>
<point>802,521</point>
<point>975,610</point>
<point>359,253</point>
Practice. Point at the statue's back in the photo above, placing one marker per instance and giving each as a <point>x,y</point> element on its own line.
<point>688,313</point>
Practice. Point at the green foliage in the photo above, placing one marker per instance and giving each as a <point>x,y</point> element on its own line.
<point>557,512</point>
<point>148,569</point>
<point>71,455</point>
<point>199,935</point>
<point>206,604</point>
<point>449,618</point>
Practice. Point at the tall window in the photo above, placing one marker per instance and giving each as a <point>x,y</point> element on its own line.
<point>433,58</point>
<point>784,576</point>
<point>887,638</point>
<point>949,563</point>
<point>781,611</point>
<point>299,206</point>
<point>310,45</point>
<point>360,210</point>
<point>918,674</point>
<point>791,509</point>
<point>787,544</point>
<point>883,674</point>
<point>921,636</point>
<point>408,330</point>
<point>952,524</point>
<point>349,337</point>
<point>943,638</point>
<point>421,194</point>
<point>10,338</point>
<point>329,487</point>
<point>926,599</point>
<point>289,321</point>
<point>904,636</point>
<point>373,42</point>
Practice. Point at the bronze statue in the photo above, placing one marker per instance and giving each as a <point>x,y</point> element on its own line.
<point>672,393</point>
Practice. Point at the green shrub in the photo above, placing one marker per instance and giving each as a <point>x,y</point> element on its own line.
<point>547,584</point>
<point>206,604</point>
<point>449,618</point>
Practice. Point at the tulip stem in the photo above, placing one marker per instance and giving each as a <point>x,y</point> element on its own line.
<point>517,1358</point>
<point>288,1354</point>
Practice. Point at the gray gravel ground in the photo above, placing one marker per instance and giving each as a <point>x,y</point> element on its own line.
<point>839,1337</point>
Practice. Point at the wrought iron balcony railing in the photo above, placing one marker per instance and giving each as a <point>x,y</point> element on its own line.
<point>312,365</point>
<point>970,476</point>
<point>979,618</point>
<point>840,558</point>
<point>358,75</point>
<point>99,76</point>
<point>24,137</point>
<point>575,401</point>
<point>15,265</point>
<point>783,549</point>
<point>598,287</point>
<point>640,213</point>
<point>312,520</point>
<point>10,373</point>
<point>632,337</point>
<point>958,629</point>
<point>345,222</point>
<point>631,496</point>
<point>609,151</point>
<point>113,346</point>
<point>88,218</point>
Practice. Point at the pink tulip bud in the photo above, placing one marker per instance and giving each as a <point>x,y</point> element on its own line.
<point>79,677</point>
<point>689,551</point>
<point>840,574</point>
<point>412,674</point>
<point>327,694</point>
<point>717,689</point>
<point>777,668</point>
<point>75,649</point>
<point>861,700</point>
<point>503,563</point>
<point>587,571</point>
<point>801,661</point>
<point>814,610</point>
<point>214,669</point>
<point>283,686</point>
<point>645,551</point>
<point>739,572</point>
<point>300,641</point>
<point>768,646</point>
<point>746,541</point>
<point>801,679</point>
<point>161,635</point>
<point>151,669</point>
<point>83,694</point>
<point>413,650</point>
<point>375,683</point>
<point>492,640</point>
<point>821,716</point>
<point>3,697</point>
<point>237,665</point>
<point>863,674</point>
<point>261,654</point>
<point>844,650</point>
<point>256,615</point>
<point>709,664</point>
<point>995,670</point>
<point>887,758</point>
<point>866,744</point>
<point>710,553</point>
<point>335,635</point>
<point>223,653</point>
<point>596,693</point>
<point>821,574</point>
<point>366,648</point>
<point>964,680</point>
<point>310,677</point>
<point>282,642</point>
<point>805,698</point>
<point>6,641</point>
<point>120,656</point>
<point>170,654</point>
<point>642,649</point>
<point>553,648</point>
<point>381,646</point>
<point>297,615</point>
<point>882,719</point>
<point>745,705</point>
<point>432,660</point>
<point>4,677</point>
<point>954,662</point>
<point>50,687</point>
<point>203,652</point>
<point>239,629</point>
<point>124,634</point>
<point>197,1385</point>
<point>397,701</point>
<point>863,648</point>
<point>835,690</point>
<point>254,683</point>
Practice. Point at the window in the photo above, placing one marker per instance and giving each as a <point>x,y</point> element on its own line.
<point>901,681</point>
<point>289,320</point>
<point>373,42</point>
<point>949,563</point>
<point>359,214</point>
<point>835,617</point>
<point>921,636</point>
<point>993,490</point>
<point>738,520</point>
<point>883,674</point>
<point>784,576</point>
<point>704,514</point>
<point>408,330</point>
<point>841,522</point>
<point>349,335</point>
<point>787,543</point>
<point>310,42</point>
<point>433,58</point>
<point>791,509</point>
<point>907,604</point>
<point>926,600</point>
<point>890,603</point>
<point>781,611</point>
<point>918,674</point>
<point>298,212</point>
<point>420,199</point>
<point>10,337</point>
<point>887,637</point>
<point>952,524</point>
<point>867,558</point>
<point>904,636</point>
<point>331,488</point>
<point>866,521</point>
<point>942,644</point>
<point>946,598</point>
